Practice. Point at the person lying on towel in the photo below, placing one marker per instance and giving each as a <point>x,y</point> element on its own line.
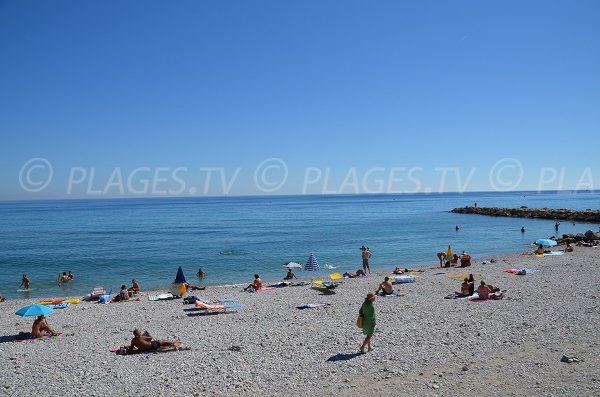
<point>143,343</point>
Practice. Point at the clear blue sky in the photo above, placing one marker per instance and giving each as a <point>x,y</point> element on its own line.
<point>326,84</point>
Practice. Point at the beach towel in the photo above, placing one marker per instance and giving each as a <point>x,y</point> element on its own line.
<point>312,305</point>
<point>161,297</point>
<point>126,351</point>
<point>494,296</point>
<point>456,296</point>
<point>521,269</point>
<point>462,276</point>
<point>43,338</point>
<point>62,305</point>
<point>404,279</point>
<point>552,253</point>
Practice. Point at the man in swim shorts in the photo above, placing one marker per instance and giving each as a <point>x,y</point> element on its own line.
<point>145,343</point>
<point>386,287</point>
<point>366,254</point>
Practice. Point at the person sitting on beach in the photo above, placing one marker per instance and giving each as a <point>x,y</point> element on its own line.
<point>385,287</point>
<point>201,273</point>
<point>256,284</point>
<point>24,282</point>
<point>471,280</point>
<point>40,328</point>
<point>487,291</point>
<point>465,289</point>
<point>2,298</point>
<point>568,248</point>
<point>194,287</point>
<point>465,259</point>
<point>143,343</point>
<point>71,276</point>
<point>290,275</point>
<point>540,250</point>
<point>135,287</point>
<point>123,294</point>
<point>454,259</point>
<point>360,273</point>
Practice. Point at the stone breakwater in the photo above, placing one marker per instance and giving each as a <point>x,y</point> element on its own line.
<point>590,216</point>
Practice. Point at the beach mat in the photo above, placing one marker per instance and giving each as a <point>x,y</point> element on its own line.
<point>161,297</point>
<point>312,305</point>
<point>462,276</point>
<point>44,338</point>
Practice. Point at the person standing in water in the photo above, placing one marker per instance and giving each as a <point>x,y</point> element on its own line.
<point>24,282</point>
<point>522,229</point>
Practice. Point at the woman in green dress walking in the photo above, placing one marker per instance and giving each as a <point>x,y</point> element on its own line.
<point>367,311</point>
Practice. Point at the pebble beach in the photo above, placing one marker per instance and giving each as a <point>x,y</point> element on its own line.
<point>424,345</point>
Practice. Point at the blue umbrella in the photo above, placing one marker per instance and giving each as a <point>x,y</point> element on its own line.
<point>34,310</point>
<point>546,241</point>
<point>180,278</point>
<point>311,264</point>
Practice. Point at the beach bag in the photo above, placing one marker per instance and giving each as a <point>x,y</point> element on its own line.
<point>359,321</point>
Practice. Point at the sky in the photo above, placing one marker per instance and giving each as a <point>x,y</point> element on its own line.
<point>192,98</point>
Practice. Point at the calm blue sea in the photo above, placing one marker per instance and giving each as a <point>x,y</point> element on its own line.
<point>109,242</point>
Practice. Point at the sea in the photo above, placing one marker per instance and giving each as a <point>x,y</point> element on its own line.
<point>109,242</point>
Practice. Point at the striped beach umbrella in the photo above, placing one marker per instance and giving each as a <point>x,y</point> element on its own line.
<point>311,264</point>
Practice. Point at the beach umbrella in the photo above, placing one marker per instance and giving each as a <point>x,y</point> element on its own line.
<point>180,278</point>
<point>546,241</point>
<point>34,310</point>
<point>449,254</point>
<point>311,264</point>
<point>292,265</point>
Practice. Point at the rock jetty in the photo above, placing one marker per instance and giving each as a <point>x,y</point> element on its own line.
<point>590,216</point>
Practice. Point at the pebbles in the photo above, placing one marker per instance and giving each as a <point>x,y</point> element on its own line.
<point>424,344</point>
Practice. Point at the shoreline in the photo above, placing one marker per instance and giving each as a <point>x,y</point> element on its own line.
<point>425,345</point>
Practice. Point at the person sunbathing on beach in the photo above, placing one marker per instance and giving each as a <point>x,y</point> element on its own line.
<point>40,328</point>
<point>465,288</point>
<point>465,259</point>
<point>194,287</point>
<point>385,287</point>
<point>144,343</point>
<point>540,250</point>
<point>488,291</point>
<point>135,286</point>
<point>123,294</point>
<point>568,248</point>
<point>290,275</point>
<point>256,284</point>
